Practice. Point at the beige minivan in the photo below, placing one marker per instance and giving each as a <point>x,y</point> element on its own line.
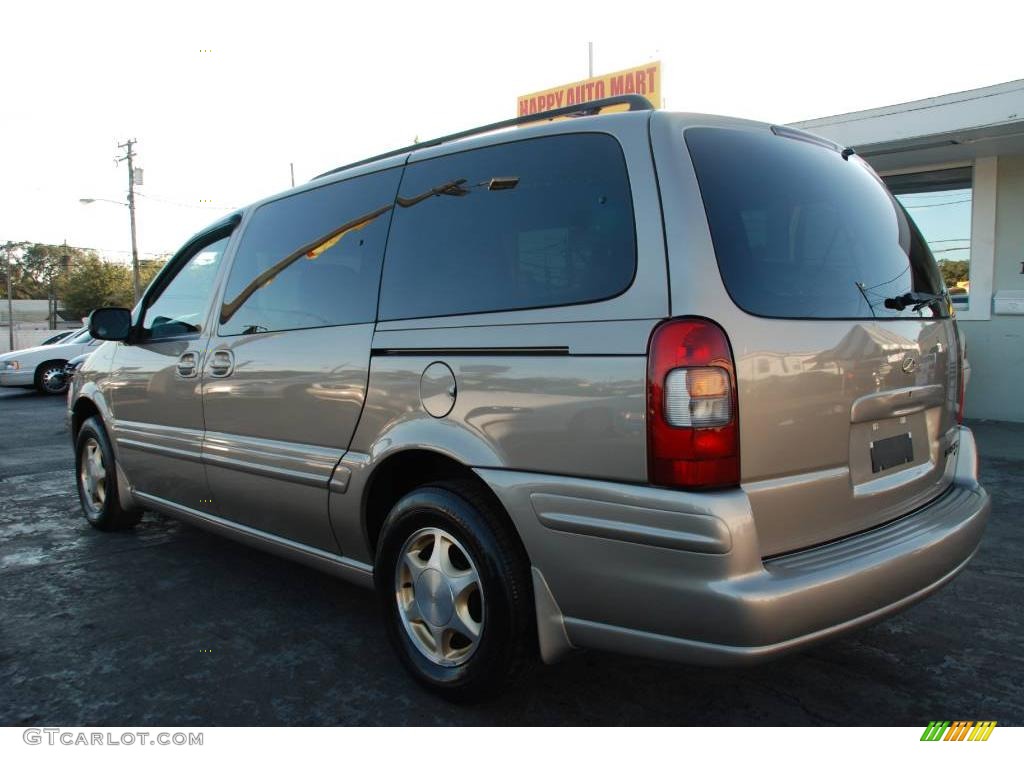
<point>666,384</point>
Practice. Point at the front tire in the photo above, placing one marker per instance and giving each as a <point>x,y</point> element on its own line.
<point>454,584</point>
<point>96,478</point>
<point>50,378</point>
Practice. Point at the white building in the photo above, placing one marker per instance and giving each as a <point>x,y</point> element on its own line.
<point>957,164</point>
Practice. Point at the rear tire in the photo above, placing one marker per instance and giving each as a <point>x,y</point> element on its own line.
<point>454,585</point>
<point>50,378</point>
<point>96,479</point>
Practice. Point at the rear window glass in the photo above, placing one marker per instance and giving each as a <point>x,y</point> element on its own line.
<point>800,232</point>
<point>537,223</point>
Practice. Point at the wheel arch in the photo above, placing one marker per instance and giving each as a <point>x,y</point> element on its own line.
<point>89,401</point>
<point>404,470</point>
<point>83,409</point>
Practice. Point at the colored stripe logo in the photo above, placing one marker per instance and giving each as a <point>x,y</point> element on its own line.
<point>958,730</point>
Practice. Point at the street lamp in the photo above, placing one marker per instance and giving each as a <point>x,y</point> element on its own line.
<point>135,251</point>
<point>87,200</point>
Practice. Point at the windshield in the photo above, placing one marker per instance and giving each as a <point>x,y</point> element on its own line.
<point>78,337</point>
<point>802,232</point>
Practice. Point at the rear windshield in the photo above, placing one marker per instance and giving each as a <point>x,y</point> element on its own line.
<point>800,232</point>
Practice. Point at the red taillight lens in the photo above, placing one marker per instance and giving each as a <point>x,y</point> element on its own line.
<point>692,416</point>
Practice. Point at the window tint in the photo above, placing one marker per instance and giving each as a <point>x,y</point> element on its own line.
<point>536,223</point>
<point>312,259</point>
<point>939,202</point>
<point>181,306</point>
<point>800,232</point>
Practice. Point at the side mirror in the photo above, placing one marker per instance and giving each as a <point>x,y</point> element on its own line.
<point>110,323</point>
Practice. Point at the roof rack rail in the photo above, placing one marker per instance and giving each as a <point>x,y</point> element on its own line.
<point>635,102</point>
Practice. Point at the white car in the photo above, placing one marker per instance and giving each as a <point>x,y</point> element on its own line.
<point>42,367</point>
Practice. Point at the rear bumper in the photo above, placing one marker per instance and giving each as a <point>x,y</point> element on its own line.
<point>679,576</point>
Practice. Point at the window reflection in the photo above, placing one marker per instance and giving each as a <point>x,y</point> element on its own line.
<point>179,309</point>
<point>311,259</point>
<point>940,204</point>
<point>528,224</point>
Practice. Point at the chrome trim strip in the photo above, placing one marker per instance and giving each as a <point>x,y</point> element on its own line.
<point>292,462</point>
<point>468,351</point>
<point>896,402</point>
<point>161,450</point>
<point>265,470</point>
<point>176,442</point>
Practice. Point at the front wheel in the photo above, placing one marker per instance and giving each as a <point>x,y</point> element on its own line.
<point>96,476</point>
<point>50,378</point>
<point>454,585</point>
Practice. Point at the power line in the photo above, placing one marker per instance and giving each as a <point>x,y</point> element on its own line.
<point>936,194</point>
<point>937,205</point>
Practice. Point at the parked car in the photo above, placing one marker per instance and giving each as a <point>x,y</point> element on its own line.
<point>42,367</point>
<point>72,365</point>
<point>665,384</point>
<point>56,337</point>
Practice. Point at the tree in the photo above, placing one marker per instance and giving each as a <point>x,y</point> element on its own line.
<point>23,286</point>
<point>38,270</point>
<point>954,271</point>
<point>75,276</point>
<point>95,283</point>
<point>148,269</point>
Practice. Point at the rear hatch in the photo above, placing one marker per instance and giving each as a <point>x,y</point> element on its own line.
<point>847,367</point>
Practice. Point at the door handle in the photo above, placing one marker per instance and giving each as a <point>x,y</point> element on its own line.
<point>222,362</point>
<point>187,365</point>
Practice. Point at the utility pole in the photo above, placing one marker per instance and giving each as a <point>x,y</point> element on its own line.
<point>10,299</point>
<point>129,155</point>
<point>292,166</point>
<point>590,59</point>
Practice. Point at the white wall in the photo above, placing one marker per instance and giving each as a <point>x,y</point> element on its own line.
<point>996,346</point>
<point>24,338</point>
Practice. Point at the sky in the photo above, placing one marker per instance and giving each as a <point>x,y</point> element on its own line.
<point>221,97</point>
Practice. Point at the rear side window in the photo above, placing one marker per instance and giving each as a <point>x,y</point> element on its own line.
<point>537,223</point>
<point>311,259</point>
<point>800,232</point>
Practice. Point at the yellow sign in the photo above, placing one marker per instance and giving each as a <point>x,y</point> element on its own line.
<point>644,80</point>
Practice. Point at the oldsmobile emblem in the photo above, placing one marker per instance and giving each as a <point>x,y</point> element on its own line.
<point>909,364</point>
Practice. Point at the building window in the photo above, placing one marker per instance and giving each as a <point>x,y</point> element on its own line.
<point>940,203</point>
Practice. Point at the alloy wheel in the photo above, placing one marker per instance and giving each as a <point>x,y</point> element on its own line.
<point>440,597</point>
<point>93,475</point>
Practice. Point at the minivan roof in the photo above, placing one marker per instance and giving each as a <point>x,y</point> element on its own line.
<point>633,101</point>
<point>585,116</point>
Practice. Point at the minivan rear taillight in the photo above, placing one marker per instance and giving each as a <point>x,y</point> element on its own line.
<point>692,419</point>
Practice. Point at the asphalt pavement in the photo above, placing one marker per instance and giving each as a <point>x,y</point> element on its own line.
<point>168,625</point>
